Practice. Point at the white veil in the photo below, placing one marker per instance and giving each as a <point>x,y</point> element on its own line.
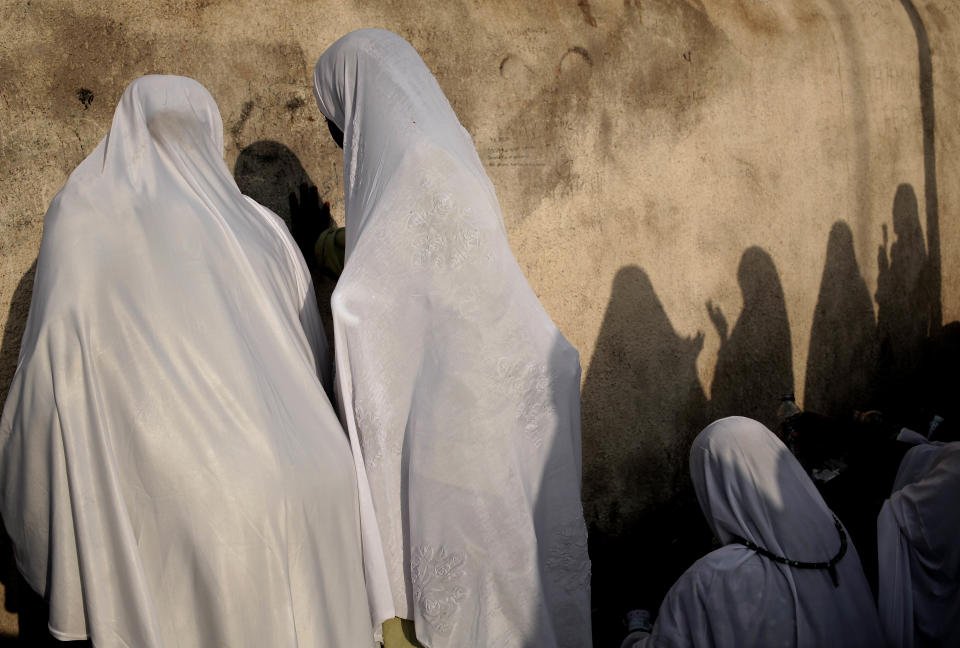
<point>171,471</point>
<point>750,487</point>
<point>919,596</point>
<point>460,390</point>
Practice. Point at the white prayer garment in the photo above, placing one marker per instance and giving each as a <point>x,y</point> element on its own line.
<point>752,490</point>
<point>917,531</point>
<point>461,392</point>
<point>173,473</point>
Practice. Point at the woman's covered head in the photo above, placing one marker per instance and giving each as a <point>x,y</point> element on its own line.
<point>750,486</point>
<point>175,110</point>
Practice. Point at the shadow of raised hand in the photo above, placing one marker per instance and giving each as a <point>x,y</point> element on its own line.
<point>718,320</point>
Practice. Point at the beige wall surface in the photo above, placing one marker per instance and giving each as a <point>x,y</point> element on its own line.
<point>718,201</point>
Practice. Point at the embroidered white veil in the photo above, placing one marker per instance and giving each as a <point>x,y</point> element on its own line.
<point>919,554</point>
<point>460,390</point>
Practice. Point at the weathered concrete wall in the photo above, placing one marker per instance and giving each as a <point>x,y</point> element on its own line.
<point>718,201</point>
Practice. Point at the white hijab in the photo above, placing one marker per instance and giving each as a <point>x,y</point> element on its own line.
<point>751,487</point>
<point>460,390</point>
<point>173,473</point>
<point>919,552</point>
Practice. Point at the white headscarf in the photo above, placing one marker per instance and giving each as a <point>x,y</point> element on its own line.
<point>750,487</point>
<point>917,529</point>
<point>172,471</point>
<point>461,391</point>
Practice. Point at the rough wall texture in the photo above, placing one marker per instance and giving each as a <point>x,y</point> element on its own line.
<point>718,201</point>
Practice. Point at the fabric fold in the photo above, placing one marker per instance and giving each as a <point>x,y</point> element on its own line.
<point>171,470</point>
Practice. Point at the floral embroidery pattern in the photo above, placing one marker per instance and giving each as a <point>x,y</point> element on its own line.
<point>443,238</point>
<point>531,380</point>
<point>437,576</point>
<point>368,431</point>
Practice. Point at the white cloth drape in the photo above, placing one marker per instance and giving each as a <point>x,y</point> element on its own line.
<point>750,486</point>
<point>460,390</point>
<point>919,597</point>
<point>173,473</point>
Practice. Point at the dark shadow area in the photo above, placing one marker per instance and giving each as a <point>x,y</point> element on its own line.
<point>644,523</point>
<point>270,173</point>
<point>16,322</point>
<point>842,358</point>
<point>755,363</point>
<point>903,308</point>
<point>931,198</point>
<point>916,356</point>
<point>905,367</point>
<point>919,354</point>
<point>867,455</point>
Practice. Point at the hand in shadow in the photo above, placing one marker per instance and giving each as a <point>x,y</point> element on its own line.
<point>695,342</point>
<point>883,262</point>
<point>719,321</point>
<point>308,218</point>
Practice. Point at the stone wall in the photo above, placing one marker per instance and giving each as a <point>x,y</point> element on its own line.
<point>718,201</point>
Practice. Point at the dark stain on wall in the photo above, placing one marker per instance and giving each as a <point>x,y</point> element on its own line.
<point>584,6</point>
<point>238,125</point>
<point>578,51</point>
<point>85,97</point>
<point>294,104</point>
<point>690,61</point>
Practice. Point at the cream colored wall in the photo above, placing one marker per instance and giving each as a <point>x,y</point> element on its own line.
<point>638,148</point>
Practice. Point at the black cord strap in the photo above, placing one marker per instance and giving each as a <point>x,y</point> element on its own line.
<point>830,565</point>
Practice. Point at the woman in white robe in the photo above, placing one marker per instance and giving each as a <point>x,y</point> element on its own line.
<point>917,542</point>
<point>173,473</point>
<point>786,575</point>
<point>461,392</point>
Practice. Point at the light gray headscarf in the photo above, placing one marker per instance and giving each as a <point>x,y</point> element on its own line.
<point>752,489</point>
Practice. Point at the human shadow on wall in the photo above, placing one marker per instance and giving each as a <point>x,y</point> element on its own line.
<point>917,355</point>
<point>642,405</point>
<point>270,173</point>
<point>841,376</point>
<point>903,307</point>
<point>755,363</point>
<point>938,381</point>
<point>930,193</point>
<point>842,357</point>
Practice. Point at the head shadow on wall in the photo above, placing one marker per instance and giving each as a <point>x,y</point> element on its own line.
<point>842,356</point>
<point>272,174</point>
<point>755,361</point>
<point>904,300</point>
<point>269,172</point>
